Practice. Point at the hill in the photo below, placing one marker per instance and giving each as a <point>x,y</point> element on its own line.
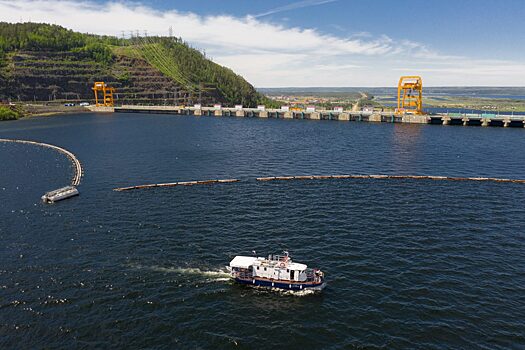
<point>43,62</point>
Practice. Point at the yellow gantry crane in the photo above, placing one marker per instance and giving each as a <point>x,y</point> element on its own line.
<point>410,95</point>
<point>107,93</point>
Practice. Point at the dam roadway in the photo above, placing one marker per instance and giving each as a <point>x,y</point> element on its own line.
<point>465,119</point>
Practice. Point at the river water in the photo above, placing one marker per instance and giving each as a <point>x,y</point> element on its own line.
<point>409,263</point>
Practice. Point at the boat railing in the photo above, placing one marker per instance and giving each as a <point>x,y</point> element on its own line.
<point>279,258</point>
<point>243,275</point>
<point>313,275</point>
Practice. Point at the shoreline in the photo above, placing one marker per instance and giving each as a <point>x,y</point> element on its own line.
<point>26,111</point>
<point>36,110</point>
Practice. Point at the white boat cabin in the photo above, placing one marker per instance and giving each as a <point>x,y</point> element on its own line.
<point>275,267</point>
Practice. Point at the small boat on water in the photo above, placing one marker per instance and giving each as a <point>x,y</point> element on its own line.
<point>276,271</point>
<point>60,194</point>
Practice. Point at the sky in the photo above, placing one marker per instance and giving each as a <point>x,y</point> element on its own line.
<point>319,42</point>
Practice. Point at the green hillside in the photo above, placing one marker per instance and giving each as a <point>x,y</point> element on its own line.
<point>42,62</point>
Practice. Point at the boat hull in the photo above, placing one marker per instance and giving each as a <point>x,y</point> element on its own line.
<point>60,194</point>
<point>281,285</point>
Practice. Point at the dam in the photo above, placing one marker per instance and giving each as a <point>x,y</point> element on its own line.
<point>409,110</point>
<point>463,119</point>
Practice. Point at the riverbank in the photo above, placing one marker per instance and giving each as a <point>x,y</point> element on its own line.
<point>18,111</point>
<point>39,110</point>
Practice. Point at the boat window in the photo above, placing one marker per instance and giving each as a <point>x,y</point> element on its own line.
<point>257,267</point>
<point>287,270</point>
<point>265,269</point>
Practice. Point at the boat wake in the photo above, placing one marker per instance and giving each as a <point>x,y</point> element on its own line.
<point>284,292</point>
<point>213,275</point>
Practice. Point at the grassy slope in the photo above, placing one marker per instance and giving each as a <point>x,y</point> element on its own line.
<point>192,70</point>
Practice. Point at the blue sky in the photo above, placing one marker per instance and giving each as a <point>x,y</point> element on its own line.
<point>485,27</point>
<point>322,42</point>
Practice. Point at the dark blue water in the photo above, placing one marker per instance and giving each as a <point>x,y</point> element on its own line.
<point>409,263</point>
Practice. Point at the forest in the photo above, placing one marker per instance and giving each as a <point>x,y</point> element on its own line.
<point>74,60</point>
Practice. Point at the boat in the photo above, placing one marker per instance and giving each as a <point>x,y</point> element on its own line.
<point>276,271</point>
<point>60,194</point>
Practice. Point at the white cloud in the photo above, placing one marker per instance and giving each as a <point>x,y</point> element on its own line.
<point>272,54</point>
<point>476,72</point>
<point>294,6</point>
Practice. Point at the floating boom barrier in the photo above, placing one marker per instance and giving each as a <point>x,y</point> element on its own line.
<point>75,181</point>
<point>381,176</point>
<point>174,184</point>
<point>324,177</point>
